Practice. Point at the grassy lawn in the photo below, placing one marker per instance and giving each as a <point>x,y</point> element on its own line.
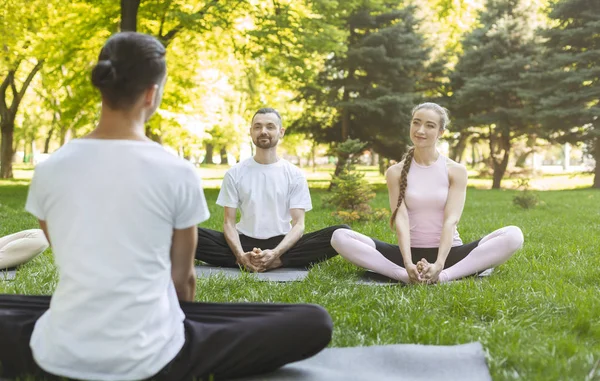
<point>320,177</point>
<point>538,315</point>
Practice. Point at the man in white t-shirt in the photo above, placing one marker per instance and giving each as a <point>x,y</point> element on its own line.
<point>273,197</point>
<point>121,214</point>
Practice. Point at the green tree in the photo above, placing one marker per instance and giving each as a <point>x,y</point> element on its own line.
<point>368,91</point>
<point>22,59</point>
<point>63,95</point>
<point>34,38</point>
<point>566,85</point>
<point>489,76</point>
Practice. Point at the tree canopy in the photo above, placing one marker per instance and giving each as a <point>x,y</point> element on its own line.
<point>507,69</point>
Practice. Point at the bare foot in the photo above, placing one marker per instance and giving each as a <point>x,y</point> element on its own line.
<point>422,265</point>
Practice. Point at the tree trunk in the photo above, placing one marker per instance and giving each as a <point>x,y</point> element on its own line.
<point>346,94</point>
<point>223,154</point>
<point>341,163</point>
<point>8,114</point>
<point>208,159</point>
<point>25,158</point>
<point>374,158</point>
<point>475,154</point>
<point>129,9</point>
<point>596,156</point>
<point>522,159</point>
<point>7,152</point>
<point>48,139</point>
<point>382,166</point>
<point>457,151</point>
<point>500,170</point>
<point>500,165</point>
<point>62,136</point>
<point>345,135</point>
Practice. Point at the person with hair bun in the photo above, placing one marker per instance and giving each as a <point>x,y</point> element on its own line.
<point>427,193</point>
<point>121,215</point>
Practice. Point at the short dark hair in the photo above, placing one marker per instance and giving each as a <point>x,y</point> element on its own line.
<point>129,63</point>
<point>268,110</point>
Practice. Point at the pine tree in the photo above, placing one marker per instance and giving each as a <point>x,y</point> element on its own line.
<point>368,92</point>
<point>567,85</point>
<point>489,77</point>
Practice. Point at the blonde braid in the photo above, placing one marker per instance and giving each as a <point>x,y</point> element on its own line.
<point>408,157</point>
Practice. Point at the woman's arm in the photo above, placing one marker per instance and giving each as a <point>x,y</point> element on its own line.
<point>455,203</point>
<point>392,176</point>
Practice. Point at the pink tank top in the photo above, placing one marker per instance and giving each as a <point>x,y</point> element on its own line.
<point>426,195</point>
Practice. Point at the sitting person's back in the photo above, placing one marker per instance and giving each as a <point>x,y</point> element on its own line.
<point>112,204</point>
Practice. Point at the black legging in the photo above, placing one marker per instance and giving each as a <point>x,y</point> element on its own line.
<point>223,340</point>
<point>456,254</point>
<point>312,248</point>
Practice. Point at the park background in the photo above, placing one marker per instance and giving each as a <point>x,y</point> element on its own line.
<point>521,80</point>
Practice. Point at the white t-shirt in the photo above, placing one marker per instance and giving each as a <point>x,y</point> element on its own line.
<point>264,193</point>
<point>111,207</point>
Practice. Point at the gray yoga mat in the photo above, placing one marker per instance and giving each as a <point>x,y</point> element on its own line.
<point>277,275</point>
<point>292,275</point>
<point>7,274</point>
<point>400,362</point>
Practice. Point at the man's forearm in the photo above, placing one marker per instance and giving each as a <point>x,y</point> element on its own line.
<point>233,240</point>
<point>290,239</point>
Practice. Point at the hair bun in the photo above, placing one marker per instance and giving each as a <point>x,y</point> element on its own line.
<point>104,74</point>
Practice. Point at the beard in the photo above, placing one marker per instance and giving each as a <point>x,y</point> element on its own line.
<point>265,144</point>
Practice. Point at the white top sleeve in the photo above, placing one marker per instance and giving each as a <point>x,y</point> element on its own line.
<point>228,195</point>
<point>300,195</point>
<point>191,208</point>
<point>34,203</point>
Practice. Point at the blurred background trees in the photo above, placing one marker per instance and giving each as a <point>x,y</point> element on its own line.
<point>516,75</point>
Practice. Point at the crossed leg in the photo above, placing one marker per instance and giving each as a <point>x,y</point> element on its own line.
<point>493,250</point>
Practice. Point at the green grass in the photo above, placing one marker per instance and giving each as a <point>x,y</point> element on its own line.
<point>538,315</point>
<point>320,177</point>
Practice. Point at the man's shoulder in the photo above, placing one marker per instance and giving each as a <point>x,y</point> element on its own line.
<point>292,169</point>
<point>239,167</point>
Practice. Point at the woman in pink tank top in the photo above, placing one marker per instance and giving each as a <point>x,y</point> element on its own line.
<point>427,194</point>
